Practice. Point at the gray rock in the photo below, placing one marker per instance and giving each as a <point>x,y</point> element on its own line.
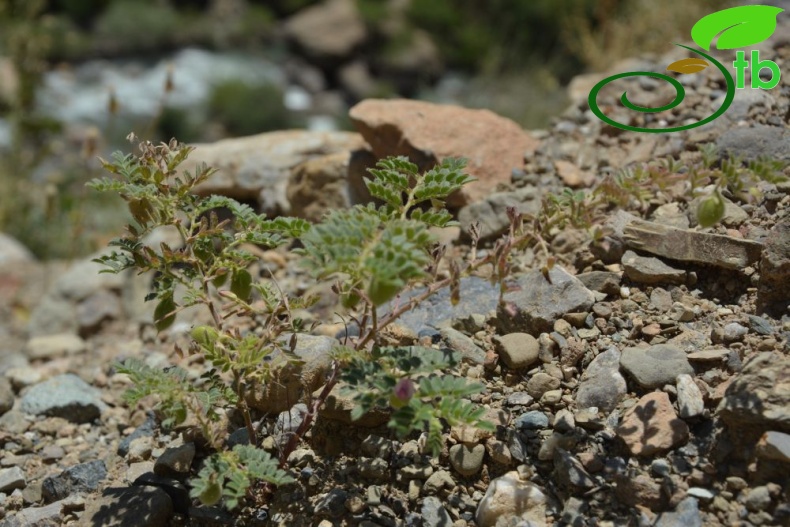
<point>540,383</point>
<point>96,309</point>
<point>177,491</point>
<point>564,421</point>
<point>130,507</point>
<point>434,513</point>
<point>537,302</point>
<point>144,430</point>
<point>65,396</point>
<point>307,29</point>
<point>517,350</point>
<point>376,446</point>
<point>570,472</point>
<point>6,395</point>
<point>760,325</point>
<point>491,212</point>
<point>46,516</point>
<point>686,514</point>
<point>756,141</point>
<point>477,296</point>
<point>464,345</point>
<point>774,446</point>
<point>773,290</point>
<point>467,460</point>
<point>175,462</point>
<point>602,385</point>
<point>84,477</point>
<point>53,314</point>
<point>759,398</point>
<point>509,498</point>
<point>758,499</point>
<point>53,346</point>
<point>655,366</point>
<point>12,478</point>
<point>377,468</point>
<point>690,401</point>
<point>601,281</point>
<point>13,252</point>
<point>532,420</point>
<point>441,479</point>
<point>519,399</point>
<point>332,504</point>
<point>651,270</point>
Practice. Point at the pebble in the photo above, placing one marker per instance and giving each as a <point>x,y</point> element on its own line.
<point>774,446</point>
<point>758,499</point>
<point>700,493</point>
<point>690,400</point>
<point>564,421</point>
<point>519,399</point>
<point>12,478</point>
<point>655,366</point>
<point>467,460</point>
<point>541,383</point>
<point>65,396</point>
<point>686,514</point>
<point>532,420</point>
<point>602,386</point>
<point>84,477</point>
<point>133,506</point>
<point>441,479</point>
<point>434,514</point>
<point>651,426</point>
<point>175,462</point>
<point>570,472</point>
<point>651,270</point>
<point>54,346</point>
<point>509,497</point>
<point>6,395</point>
<point>464,345</point>
<point>518,350</point>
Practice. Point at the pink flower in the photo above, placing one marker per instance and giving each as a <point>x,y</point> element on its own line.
<point>405,389</point>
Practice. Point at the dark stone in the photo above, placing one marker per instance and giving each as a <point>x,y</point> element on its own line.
<point>84,477</point>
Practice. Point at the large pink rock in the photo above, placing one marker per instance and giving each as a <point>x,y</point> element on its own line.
<point>651,426</point>
<point>428,133</point>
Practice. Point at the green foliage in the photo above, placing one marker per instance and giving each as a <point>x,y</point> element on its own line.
<point>229,475</point>
<point>406,380</point>
<point>377,252</point>
<point>246,109</point>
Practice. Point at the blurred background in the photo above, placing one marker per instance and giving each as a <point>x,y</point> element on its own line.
<point>76,76</point>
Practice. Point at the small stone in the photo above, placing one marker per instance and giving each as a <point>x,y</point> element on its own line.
<point>541,383</point>
<point>570,472</point>
<point>12,478</point>
<point>602,386</point>
<point>65,396</point>
<point>758,499</point>
<point>498,452</point>
<point>651,270</point>
<point>332,504</point>
<point>551,398</point>
<point>6,395</point>
<point>509,497</point>
<point>376,446</point>
<point>690,400</point>
<point>651,426</point>
<point>519,399</point>
<point>655,366</point>
<point>129,507</point>
<point>564,421</point>
<point>441,479</point>
<point>175,462</point>
<point>377,469</point>
<point>84,477</point>
<point>700,493</point>
<point>434,513</point>
<point>532,420</point>
<point>140,449</point>
<point>54,346</point>
<point>467,460</point>
<point>660,467</point>
<point>686,514</point>
<point>464,345</point>
<point>711,355</point>
<point>518,350</point>
<point>774,446</point>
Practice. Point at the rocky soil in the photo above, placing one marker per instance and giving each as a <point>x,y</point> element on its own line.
<point>647,382</point>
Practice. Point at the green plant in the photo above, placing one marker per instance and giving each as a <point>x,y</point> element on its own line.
<point>373,253</point>
<point>246,109</point>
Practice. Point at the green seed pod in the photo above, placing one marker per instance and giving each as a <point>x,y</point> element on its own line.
<point>206,336</point>
<point>211,494</point>
<point>710,210</point>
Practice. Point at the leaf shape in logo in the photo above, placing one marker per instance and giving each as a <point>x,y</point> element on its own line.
<point>739,26</point>
<point>689,65</point>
